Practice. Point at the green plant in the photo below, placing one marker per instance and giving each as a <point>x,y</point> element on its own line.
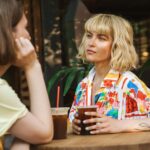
<point>76,72</point>
<point>69,74</point>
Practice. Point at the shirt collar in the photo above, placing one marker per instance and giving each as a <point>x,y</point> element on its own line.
<point>110,79</point>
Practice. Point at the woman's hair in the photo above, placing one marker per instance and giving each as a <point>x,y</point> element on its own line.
<point>123,54</point>
<point>11,12</point>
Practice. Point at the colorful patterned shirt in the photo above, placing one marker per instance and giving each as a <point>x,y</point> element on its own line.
<point>120,95</point>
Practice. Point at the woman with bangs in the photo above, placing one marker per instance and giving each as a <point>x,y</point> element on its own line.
<point>122,99</point>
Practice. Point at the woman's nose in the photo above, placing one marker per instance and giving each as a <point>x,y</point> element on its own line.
<point>28,36</point>
<point>92,41</point>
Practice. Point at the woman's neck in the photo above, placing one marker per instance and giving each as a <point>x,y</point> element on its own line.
<point>3,69</point>
<point>101,69</point>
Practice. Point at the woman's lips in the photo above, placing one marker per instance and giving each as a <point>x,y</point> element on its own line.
<point>89,51</point>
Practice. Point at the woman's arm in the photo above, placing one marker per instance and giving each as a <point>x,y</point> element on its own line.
<point>106,124</point>
<point>20,145</point>
<point>136,125</point>
<point>36,126</point>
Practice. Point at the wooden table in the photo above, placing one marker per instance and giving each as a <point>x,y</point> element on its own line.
<point>121,141</point>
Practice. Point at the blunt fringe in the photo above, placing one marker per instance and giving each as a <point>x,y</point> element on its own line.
<point>123,53</point>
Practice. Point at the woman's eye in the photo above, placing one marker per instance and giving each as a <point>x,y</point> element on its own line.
<point>102,37</point>
<point>88,35</point>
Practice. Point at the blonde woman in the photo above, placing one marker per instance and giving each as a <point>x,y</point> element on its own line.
<point>123,100</point>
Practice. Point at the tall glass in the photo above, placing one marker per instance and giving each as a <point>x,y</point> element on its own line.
<point>82,117</point>
<point>60,122</point>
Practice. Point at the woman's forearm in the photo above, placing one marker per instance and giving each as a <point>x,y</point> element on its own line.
<point>39,101</point>
<point>20,145</point>
<point>136,125</point>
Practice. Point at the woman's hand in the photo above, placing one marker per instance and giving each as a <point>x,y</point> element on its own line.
<point>75,125</point>
<point>103,124</point>
<point>26,55</point>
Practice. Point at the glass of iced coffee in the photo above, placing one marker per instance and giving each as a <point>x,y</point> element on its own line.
<point>82,117</point>
<point>60,122</point>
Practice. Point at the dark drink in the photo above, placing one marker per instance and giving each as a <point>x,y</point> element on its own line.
<point>82,117</point>
<point>60,126</point>
<point>60,122</point>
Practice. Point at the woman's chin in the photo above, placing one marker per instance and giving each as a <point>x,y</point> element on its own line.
<point>90,60</point>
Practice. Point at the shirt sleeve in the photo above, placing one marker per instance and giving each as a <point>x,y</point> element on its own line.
<point>11,108</point>
<point>137,99</point>
<point>78,100</point>
<point>73,107</point>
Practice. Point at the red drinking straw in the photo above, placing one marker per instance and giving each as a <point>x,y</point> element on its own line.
<point>58,96</point>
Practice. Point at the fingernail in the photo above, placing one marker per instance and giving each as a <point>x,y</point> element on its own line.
<point>84,121</point>
<point>86,128</point>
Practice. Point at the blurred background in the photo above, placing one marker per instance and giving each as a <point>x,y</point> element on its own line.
<point>56,27</point>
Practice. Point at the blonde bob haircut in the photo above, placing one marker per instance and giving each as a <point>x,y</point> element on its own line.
<point>123,54</point>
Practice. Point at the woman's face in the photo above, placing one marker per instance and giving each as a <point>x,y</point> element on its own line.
<point>98,47</point>
<point>21,29</point>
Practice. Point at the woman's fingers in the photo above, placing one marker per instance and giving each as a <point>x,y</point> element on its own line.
<point>75,126</point>
<point>101,125</point>
<point>24,45</point>
<point>104,125</point>
<point>18,43</point>
<point>98,131</point>
<point>76,132</point>
<point>29,45</point>
<point>76,121</point>
<point>26,55</point>
<point>95,120</point>
<point>92,114</point>
<point>98,126</point>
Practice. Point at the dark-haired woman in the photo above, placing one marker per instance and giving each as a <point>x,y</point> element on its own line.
<point>34,126</point>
